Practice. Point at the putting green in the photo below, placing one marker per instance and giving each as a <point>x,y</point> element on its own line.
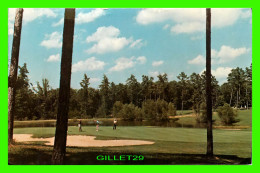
<point>167,140</point>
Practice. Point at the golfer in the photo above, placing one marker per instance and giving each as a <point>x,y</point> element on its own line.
<point>80,130</point>
<point>115,122</point>
<point>97,125</point>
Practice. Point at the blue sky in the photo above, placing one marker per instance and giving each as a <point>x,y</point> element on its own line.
<point>121,42</point>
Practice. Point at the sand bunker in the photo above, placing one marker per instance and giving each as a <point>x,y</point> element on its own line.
<point>81,141</point>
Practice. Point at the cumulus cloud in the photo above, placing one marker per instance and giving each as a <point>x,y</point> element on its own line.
<point>228,16</point>
<point>196,37</point>
<point>94,80</point>
<point>227,53</point>
<point>29,15</point>
<point>84,17</point>
<point>60,22</point>
<point>52,40</point>
<point>188,27</point>
<point>137,44</point>
<point>220,72</point>
<point>90,16</point>
<point>199,60</point>
<point>10,28</point>
<point>54,58</point>
<point>154,74</point>
<point>126,63</point>
<point>157,63</point>
<point>122,64</point>
<point>224,55</point>
<point>107,40</point>
<point>191,20</point>
<point>141,59</point>
<point>89,64</point>
<point>166,26</point>
<point>156,15</point>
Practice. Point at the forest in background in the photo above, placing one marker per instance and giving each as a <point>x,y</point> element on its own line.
<point>152,99</point>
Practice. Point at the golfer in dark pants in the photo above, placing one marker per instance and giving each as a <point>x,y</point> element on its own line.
<point>114,127</point>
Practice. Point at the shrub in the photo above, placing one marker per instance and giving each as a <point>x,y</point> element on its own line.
<point>149,109</point>
<point>128,112</point>
<point>74,114</point>
<point>201,112</point>
<point>171,109</point>
<point>101,112</point>
<point>139,114</point>
<point>227,115</point>
<point>156,110</point>
<point>117,107</point>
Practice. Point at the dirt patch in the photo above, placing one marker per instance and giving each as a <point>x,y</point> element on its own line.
<point>182,116</point>
<point>82,141</point>
<point>232,127</point>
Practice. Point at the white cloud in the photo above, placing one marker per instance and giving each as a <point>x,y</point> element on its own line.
<point>54,58</point>
<point>154,74</point>
<point>199,60</point>
<point>141,59</point>
<point>109,45</point>
<point>89,17</point>
<point>157,63</point>
<point>10,28</point>
<point>155,15</point>
<point>227,53</point>
<point>199,37</point>
<point>104,32</point>
<point>52,40</point>
<point>189,27</point>
<point>224,55</point>
<point>171,76</point>
<point>60,22</point>
<point>89,64</point>
<point>191,20</point>
<point>30,14</point>
<point>94,80</point>
<point>166,26</point>
<point>137,44</point>
<point>10,31</point>
<point>107,40</point>
<point>221,72</point>
<point>125,63</point>
<point>226,17</point>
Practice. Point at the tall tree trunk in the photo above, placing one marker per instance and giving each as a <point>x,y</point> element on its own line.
<point>59,149</point>
<point>237,99</point>
<point>231,97</point>
<point>208,84</point>
<point>182,102</point>
<point>13,72</point>
<point>246,98</point>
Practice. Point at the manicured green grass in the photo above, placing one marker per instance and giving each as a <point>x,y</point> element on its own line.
<point>52,123</point>
<point>184,112</point>
<point>33,154</point>
<point>167,140</point>
<point>172,145</point>
<point>245,117</point>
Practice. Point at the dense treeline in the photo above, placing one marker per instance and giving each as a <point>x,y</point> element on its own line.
<point>155,99</point>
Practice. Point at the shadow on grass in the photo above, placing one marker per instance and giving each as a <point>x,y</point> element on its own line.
<point>90,158</point>
<point>27,154</point>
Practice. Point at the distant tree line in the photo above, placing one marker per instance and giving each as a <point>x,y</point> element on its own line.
<point>148,99</point>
